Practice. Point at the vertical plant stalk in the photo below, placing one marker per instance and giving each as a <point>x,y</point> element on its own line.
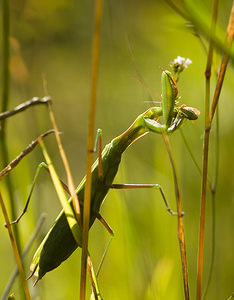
<point>5,58</point>
<point>4,107</point>
<point>205,159</point>
<point>25,252</point>
<point>180,228</point>
<point>229,39</point>
<point>208,122</point>
<point>90,144</point>
<point>15,249</point>
<point>213,188</point>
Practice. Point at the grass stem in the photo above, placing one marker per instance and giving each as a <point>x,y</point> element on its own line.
<point>90,144</point>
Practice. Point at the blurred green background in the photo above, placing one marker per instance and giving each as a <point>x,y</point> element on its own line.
<point>51,41</point>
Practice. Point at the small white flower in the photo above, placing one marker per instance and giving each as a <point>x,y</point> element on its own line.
<point>187,63</point>
<point>180,63</point>
<point>179,60</point>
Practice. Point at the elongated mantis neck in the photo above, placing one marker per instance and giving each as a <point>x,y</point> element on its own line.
<point>136,130</point>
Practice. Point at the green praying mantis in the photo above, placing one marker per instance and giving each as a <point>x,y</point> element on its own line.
<point>59,243</point>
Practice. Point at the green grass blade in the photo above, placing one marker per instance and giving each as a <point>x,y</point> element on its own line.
<point>201,18</point>
<point>62,197</point>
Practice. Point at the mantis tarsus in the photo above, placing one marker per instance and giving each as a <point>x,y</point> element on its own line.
<point>59,243</point>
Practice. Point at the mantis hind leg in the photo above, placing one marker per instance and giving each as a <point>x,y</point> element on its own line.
<point>146,186</point>
<point>13,164</point>
<point>41,165</point>
<point>93,279</point>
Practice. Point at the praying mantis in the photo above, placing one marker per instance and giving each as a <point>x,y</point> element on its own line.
<point>59,242</point>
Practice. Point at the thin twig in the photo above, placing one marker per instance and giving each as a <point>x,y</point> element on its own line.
<point>26,151</point>
<point>15,249</point>
<point>23,106</point>
<point>190,152</point>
